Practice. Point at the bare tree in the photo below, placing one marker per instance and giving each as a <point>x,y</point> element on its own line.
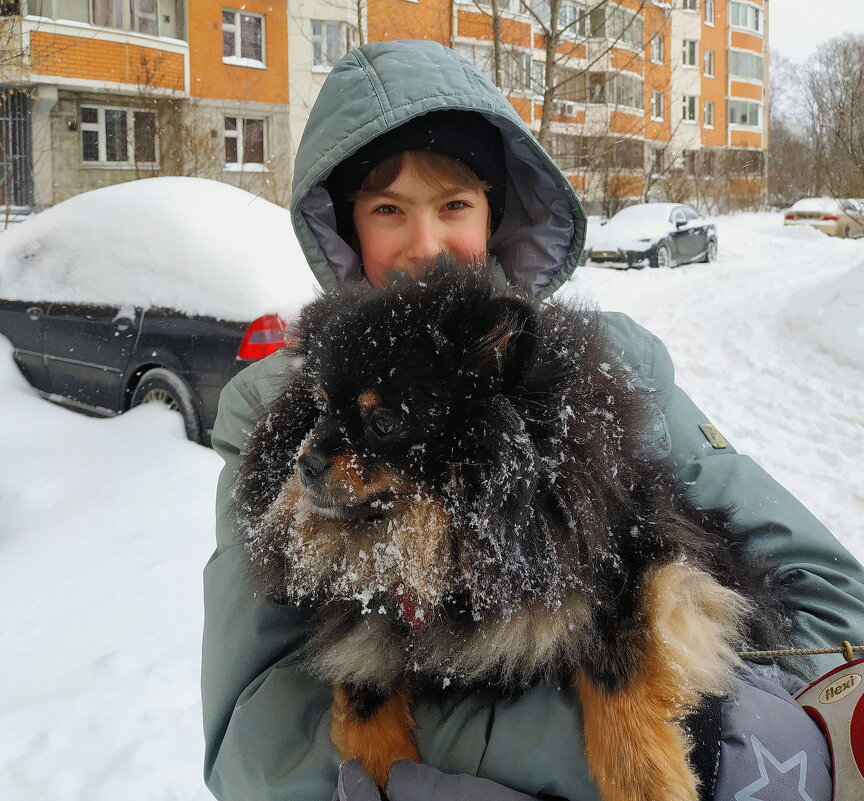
<point>833,93</point>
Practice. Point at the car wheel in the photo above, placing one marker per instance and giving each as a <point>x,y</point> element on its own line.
<point>846,232</point>
<point>661,257</point>
<point>162,386</point>
<point>711,251</point>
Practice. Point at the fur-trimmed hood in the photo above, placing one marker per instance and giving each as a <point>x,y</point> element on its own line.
<point>381,85</point>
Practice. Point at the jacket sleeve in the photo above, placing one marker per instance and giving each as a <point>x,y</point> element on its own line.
<point>824,583</point>
<point>265,722</point>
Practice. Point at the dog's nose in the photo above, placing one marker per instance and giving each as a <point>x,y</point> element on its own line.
<point>312,466</point>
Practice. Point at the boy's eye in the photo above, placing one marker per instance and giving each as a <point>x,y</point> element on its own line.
<point>455,205</point>
<point>387,208</point>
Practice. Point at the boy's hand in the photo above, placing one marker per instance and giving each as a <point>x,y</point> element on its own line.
<point>412,782</point>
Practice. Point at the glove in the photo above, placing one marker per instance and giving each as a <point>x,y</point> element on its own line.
<point>412,782</point>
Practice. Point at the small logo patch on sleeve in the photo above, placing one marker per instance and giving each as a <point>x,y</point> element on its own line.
<point>713,436</point>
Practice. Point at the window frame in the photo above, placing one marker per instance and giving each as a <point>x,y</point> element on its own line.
<point>347,38</point>
<point>708,16</point>
<point>706,106</point>
<point>655,96</point>
<point>708,56</point>
<point>688,103</point>
<point>732,57</point>
<point>238,60</point>
<point>746,126</point>
<point>101,142</point>
<point>238,134</point>
<point>690,47</point>
<point>658,43</point>
<point>690,5</point>
<point>758,15</point>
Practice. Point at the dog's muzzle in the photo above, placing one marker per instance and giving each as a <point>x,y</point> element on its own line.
<point>313,467</point>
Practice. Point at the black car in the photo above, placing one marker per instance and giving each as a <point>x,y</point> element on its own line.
<point>104,360</point>
<point>654,234</point>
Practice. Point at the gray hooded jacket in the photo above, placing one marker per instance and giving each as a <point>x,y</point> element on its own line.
<point>266,722</point>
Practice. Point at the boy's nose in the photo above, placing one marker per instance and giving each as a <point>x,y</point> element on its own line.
<point>426,242</point>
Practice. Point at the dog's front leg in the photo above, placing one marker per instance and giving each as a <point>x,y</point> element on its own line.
<point>670,649</point>
<point>635,747</point>
<point>373,726</point>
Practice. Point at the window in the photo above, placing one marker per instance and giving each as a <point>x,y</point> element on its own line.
<point>690,5</point>
<point>573,19</point>
<point>538,77</point>
<point>572,85</point>
<point>745,162</point>
<point>657,106</point>
<point>107,13</point>
<point>709,12</point>
<point>628,91</point>
<point>331,41</point>
<point>242,38</point>
<point>708,115</point>
<point>596,87</point>
<point>628,154</point>
<point>617,24</point>
<point>688,108</point>
<point>118,136</point>
<point>244,142</point>
<point>708,163</point>
<point>743,113</point>
<point>144,16</point>
<point>709,63</point>
<point>689,159</point>
<point>657,49</point>
<point>746,16</point>
<point>570,152</point>
<point>745,65</point>
<point>689,52</point>
<point>659,162</point>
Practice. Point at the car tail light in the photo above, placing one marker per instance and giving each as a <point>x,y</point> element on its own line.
<point>264,336</point>
<point>790,217</point>
<point>832,217</point>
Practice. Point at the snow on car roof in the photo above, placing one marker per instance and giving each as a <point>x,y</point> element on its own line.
<point>815,204</point>
<point>192,244</point>
<point>646,211</point>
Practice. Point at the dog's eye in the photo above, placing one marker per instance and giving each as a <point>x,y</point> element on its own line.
<point>384,424</point>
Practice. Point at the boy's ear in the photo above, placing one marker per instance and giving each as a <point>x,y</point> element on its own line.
<point>505,342</point>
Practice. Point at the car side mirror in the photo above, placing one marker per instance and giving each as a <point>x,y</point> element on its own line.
<point>679,224</point>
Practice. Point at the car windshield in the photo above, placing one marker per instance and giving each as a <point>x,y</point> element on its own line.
<point>644,212</point>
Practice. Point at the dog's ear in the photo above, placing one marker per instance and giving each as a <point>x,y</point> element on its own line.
<point>504,341</point>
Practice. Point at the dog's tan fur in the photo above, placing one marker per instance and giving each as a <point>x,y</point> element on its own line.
<point>634,744</point>
<point>380,741</point>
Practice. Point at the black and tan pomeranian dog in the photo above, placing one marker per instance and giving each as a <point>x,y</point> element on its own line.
<point>454,482</point>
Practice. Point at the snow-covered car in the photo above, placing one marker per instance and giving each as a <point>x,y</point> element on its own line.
<point>157,290</point>
<point>834,217</point>
<point>657,234</point>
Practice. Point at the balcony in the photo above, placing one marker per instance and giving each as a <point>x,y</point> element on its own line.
<point>108,45</point>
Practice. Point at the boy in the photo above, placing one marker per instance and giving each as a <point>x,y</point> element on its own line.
<point>409,151</point>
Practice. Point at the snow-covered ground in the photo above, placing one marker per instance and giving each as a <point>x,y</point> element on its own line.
<point>105,525</point>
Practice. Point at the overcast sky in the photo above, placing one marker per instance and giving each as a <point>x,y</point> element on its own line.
<point>798,26</point>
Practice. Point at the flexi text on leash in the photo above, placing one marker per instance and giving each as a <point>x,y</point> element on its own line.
<point>835,702</point>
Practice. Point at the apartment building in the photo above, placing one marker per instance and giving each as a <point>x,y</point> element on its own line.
<point>97,92</point>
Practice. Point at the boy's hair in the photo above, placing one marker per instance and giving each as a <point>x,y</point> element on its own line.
<point>436,169</point>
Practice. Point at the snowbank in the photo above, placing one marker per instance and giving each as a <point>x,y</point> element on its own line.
<point>200,246</point>
<point>831,317</point>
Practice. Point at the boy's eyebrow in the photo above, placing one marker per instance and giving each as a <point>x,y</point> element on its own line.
<point>398,196</point>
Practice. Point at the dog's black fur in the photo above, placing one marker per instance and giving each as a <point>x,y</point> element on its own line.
<point>518,421</point>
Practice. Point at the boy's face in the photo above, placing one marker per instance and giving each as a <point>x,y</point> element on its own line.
<point>410,222</point>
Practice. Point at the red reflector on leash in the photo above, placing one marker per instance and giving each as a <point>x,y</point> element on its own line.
<point>836,703</point>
